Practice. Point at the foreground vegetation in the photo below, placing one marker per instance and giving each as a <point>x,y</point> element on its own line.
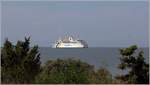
<point>21,64</point>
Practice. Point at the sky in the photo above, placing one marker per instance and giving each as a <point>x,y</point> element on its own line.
<point>99,23</point>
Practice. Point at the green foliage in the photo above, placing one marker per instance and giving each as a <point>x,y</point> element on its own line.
<point>19,63</point>
<point>133,60</point>
<point>120,79</point>
<point>65,72</point>
<point>72,72</point>
<point>104,76</point>
<point>100,76</point>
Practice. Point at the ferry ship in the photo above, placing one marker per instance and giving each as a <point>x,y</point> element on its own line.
<point>69,42</point>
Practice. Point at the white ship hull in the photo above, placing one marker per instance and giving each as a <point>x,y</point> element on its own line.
<point>69,45</point>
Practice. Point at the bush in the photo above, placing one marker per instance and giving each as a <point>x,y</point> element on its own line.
<point>64,72</point>
<point>100,76</point>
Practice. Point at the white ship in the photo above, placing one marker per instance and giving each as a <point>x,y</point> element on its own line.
<point>69,42</point>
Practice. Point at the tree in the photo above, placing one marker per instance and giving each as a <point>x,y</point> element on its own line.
<point>132,59</point>
<point>64,72</point>
<point>19,63</point>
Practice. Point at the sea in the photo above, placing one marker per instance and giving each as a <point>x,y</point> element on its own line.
<point>99,57</point>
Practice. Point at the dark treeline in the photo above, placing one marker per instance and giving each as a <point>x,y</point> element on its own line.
<point>21,64</point>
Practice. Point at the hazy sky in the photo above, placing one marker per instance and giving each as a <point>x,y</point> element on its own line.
<point>101,24</point>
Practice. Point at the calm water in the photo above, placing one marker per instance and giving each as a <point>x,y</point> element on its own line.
<point>99,57</point>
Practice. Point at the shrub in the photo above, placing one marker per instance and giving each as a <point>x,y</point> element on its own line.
<point>64,72</point>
